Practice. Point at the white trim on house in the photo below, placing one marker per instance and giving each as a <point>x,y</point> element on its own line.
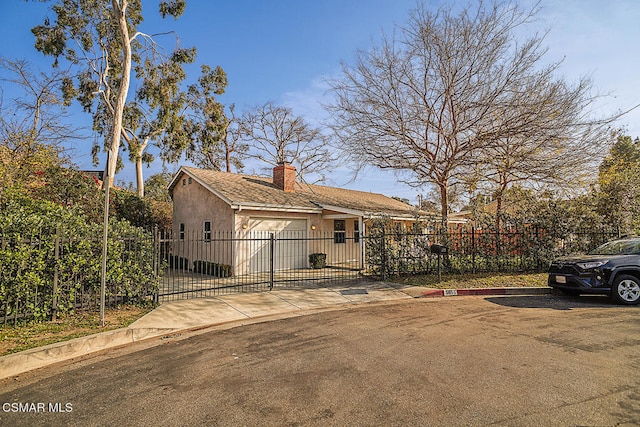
<point>347,213</point>
<point>351,212</point>
<point>273,208</point>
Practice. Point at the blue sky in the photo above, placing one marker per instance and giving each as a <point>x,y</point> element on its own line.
<point>281,50</point>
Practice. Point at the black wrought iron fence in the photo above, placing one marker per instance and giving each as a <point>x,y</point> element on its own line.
<point>528,249</point>
<point>47,272</point>
<point>44,273</point>
<point>198,265</point>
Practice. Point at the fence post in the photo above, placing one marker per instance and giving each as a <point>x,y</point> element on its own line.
<point>156,260</point>
<point>56,257</point>
<point>538,260</point>
<point>272,245</point>
<point>383,257</point>
<point>473,249</point>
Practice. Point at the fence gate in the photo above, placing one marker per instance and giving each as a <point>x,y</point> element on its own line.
<point>275,253</point>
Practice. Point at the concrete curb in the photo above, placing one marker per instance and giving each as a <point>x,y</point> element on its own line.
<point>436,293</point>
<point>18,363</point>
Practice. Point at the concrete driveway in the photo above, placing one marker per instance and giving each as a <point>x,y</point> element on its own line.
<point>512,360</point>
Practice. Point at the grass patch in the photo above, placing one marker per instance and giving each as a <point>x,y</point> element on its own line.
<point>478,280</point>
<point>36,334</point>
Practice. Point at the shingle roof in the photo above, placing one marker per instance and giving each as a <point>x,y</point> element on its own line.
<point>259,192</point>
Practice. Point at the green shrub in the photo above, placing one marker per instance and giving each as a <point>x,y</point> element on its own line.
<point>30,232</point>
<point>318,260</point>
<point>212,268</point>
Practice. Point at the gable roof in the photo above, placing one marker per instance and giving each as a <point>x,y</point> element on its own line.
<point>253,192</point>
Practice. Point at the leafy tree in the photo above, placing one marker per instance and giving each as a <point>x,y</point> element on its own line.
<point>70,188</point>
<point>618,193</point>
<point>157,112</point>
<point>157,187</point>
<point>217,144</point>
<point>276,136</point>
<point>31,228</point>
<point>431,98</point>
<point>101,42</point>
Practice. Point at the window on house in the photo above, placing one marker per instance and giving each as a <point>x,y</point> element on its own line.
<point>339,231</point>
<point>189,180</point>
<point>181,231</point>
<point>207,231</point>
<point>356,231</point>
<point>184,182</point>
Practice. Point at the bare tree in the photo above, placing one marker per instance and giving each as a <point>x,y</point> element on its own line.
<point>558,146</point>
<point>450,84</point>
<point>276,135</point>
<point>40,109</point>
<point>33,129</point>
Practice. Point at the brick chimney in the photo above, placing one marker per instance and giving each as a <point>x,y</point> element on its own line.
<point>284,177</point>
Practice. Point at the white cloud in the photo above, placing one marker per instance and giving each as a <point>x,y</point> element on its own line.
<point>308,102</point>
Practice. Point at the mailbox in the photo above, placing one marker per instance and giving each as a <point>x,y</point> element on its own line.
<point>439,249</point>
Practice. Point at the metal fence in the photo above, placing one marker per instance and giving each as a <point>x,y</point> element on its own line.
<point>528,249</point>
<point>196,265</point>
<point>44,273</point>
<point>48,273</point>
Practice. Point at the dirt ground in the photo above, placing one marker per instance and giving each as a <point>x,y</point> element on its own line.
<point>36,334</point>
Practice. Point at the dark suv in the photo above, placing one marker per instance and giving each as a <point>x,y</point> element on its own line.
<point>611,269</point>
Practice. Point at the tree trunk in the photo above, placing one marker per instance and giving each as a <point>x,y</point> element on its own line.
<point>502,188</point>
<point>444,205</point>
<point>227,159</point>
<point>139,177</point>
<point>119,15</point>
<point>498,210</point>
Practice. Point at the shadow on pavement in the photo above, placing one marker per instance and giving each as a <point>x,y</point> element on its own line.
<point>554,302</point>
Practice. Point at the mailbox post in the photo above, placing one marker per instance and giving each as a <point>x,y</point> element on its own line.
<point>439,250</point>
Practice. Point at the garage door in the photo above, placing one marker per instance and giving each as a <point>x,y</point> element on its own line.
<point>290,249</point>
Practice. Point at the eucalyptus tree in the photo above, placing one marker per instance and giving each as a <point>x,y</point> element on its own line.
<point>102,43</point>
<point>438,91</point>
<point>217,143</point>
<point>157,113</point>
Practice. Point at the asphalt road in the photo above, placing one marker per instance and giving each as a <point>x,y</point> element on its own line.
<point>521,361</point>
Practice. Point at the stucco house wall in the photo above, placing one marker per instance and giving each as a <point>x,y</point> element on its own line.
<point>243,210</point>
<point>193,205</point>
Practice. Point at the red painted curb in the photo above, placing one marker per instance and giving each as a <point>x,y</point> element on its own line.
<point>432,293</point>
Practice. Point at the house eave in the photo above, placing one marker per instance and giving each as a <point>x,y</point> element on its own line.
<point>274,208</point>
<point>365,214</point>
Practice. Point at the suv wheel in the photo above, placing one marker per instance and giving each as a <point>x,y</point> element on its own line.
<point>626,290</point>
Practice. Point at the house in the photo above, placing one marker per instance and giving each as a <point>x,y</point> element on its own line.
<point>216,208</point>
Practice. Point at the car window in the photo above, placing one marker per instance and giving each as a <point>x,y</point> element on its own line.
<point>618,247</point>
